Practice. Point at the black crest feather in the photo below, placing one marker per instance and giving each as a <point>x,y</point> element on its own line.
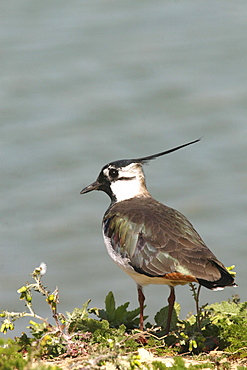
<point>150,157</point>
<point>125,162</point>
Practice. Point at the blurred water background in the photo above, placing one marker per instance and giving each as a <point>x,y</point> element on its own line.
<point>83,83</point>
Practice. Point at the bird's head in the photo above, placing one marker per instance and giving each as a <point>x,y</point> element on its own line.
<point>124,179</point>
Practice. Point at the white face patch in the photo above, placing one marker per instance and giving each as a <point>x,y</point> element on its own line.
<point>126,189</point>
<point>129,182</point>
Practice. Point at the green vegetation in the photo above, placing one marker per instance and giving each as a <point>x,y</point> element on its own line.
<point>112,335</point>
<point>117,316</point>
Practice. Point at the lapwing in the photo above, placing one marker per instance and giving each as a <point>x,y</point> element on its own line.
<point>151,242</point>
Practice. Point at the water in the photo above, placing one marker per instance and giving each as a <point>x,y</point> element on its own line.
<point>85,83</point>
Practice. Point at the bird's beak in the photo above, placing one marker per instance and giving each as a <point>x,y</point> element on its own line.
<point>94,186</point>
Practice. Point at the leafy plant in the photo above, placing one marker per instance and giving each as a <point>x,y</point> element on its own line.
<point>231,319</point>
<point>117,316</point>
<point>26,294</point>
<point>51,340</point>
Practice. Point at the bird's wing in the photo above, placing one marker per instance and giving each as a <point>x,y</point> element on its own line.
<point>158,240</point>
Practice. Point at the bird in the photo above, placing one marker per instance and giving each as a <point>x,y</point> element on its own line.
<point>151,242</point>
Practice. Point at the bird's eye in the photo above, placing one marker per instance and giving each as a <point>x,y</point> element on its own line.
<point>113,173</point>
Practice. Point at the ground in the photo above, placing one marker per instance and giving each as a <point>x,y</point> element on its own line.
<point>215,360</point>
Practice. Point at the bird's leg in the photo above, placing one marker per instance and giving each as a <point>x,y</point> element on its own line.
<point>171,300</point>
<point>141,299</point>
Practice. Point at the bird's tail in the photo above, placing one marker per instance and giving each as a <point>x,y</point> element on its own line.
<point>226,279</point>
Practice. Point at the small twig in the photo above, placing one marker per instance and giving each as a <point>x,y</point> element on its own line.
<point>198,309</point>
<point>195,294</point>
